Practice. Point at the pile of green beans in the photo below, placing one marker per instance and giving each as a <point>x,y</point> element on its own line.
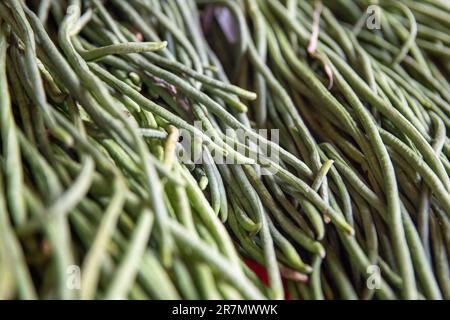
<point>97,96</point>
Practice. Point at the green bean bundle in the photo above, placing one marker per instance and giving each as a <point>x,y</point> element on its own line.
<point>135,164</point>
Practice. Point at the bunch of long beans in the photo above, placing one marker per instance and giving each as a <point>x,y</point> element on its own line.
<point>95,97</point>
<point>376,102</point>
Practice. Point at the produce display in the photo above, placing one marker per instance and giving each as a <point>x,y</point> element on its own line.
<point>224,149</point>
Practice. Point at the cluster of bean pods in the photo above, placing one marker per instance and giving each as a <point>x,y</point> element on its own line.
<point>101,101</point>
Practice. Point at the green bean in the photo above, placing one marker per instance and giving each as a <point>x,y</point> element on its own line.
<point>245,240</point>
<point>155,279</point>
<point>193,27</point>
<point>57,231</point>
<point>7,285</point>
<point>345,288</point>
<point>423,212</point>
<point>245,221</point>
<point>292,211</point>
<point>321,174</point>
<point>261,43</point>
<point>440,258</point>
<point>342,191</point>
<point>208,216</point>
<point>362,263</point>
<point>161,18</point>
<point>267,244</point>
<point>358,185</point>
<point>10,144</point>
<point>127,269</point>
<point>341,37</point>
<point>412,33</point>
<point>424,170</point>
<point>30,56</point>
<point>92,261</point>
<point>121,48</point>
<point>316,285</point>
<point>44,9</point>
<point>20,102</point>
<point>429,11</point>
<point>423,268</point>
<point>21,273</point>
<point>222,195</point>
<point>227,270</point>
<point>386,87</point>
<point>184,280</point>
<point>301,238</point>
<point>369,227</point>
<point>288,250</point>
<point>389,273</point>
<point>445,223</point>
